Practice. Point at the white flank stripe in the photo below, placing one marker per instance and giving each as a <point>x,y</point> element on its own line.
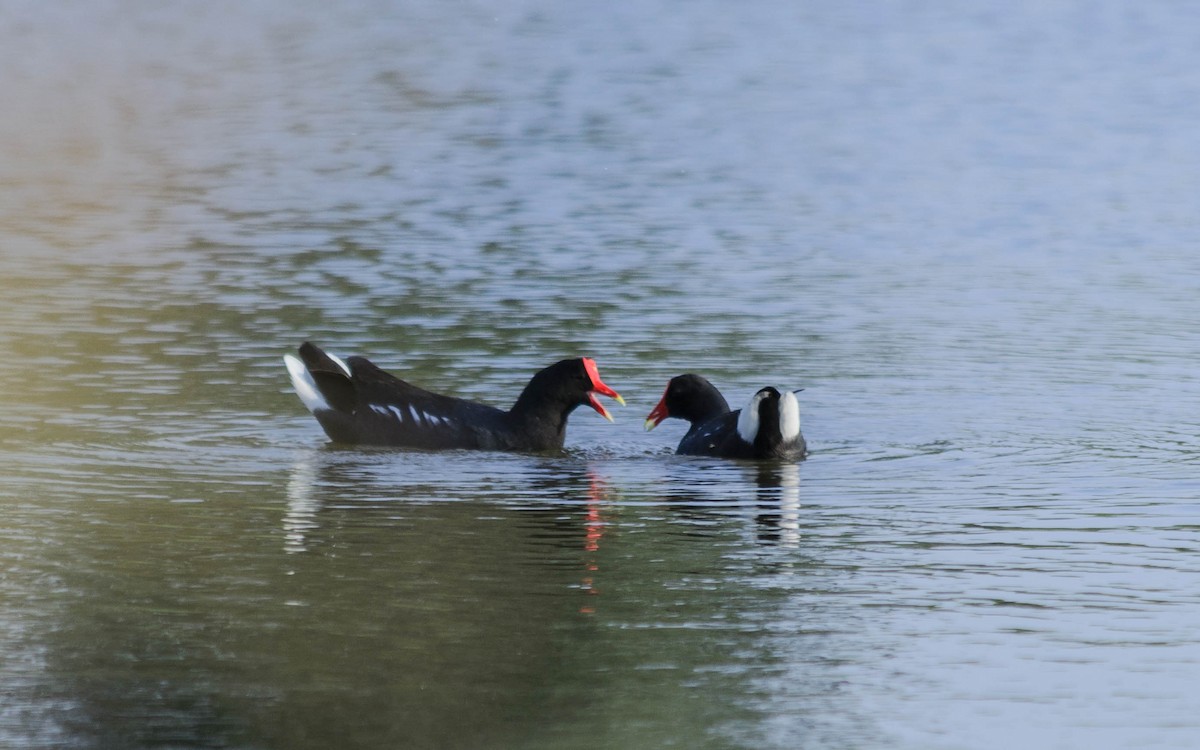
<point>416,415</point>
<point>789,416</point>
<point>398,412</point>
<point>306,387</point>
<point>380,409</point>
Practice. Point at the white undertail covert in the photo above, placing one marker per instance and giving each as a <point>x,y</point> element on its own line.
<point>747,425</point>
<point>789,416</point>
<point>306,387</point>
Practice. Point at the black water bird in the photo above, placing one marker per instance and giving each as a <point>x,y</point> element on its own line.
<point>357,402</point>
<point>768,427</point>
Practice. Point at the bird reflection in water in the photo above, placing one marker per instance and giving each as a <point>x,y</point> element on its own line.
<point>594,532</point>
<point>300,518</point>
<point>778,500</point>
<point>582,531</point>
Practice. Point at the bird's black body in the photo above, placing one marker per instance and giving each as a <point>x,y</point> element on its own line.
<point>770,429</point>
<point>356,402</point>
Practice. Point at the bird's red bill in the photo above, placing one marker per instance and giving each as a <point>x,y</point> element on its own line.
<point>658,414</point>
<point>598,386</point>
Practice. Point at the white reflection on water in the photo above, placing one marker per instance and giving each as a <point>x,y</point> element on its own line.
<point>302,504</point>
<point>789,505</point>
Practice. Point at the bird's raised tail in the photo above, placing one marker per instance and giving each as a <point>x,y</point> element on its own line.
<point>322,381</point>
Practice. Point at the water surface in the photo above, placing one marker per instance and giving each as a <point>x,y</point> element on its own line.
<point>968,235</point>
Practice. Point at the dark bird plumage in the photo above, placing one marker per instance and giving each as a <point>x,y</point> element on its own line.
<point>356,402</point>
<point>768,427</point>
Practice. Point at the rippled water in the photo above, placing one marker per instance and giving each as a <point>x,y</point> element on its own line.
<point>968,234</point>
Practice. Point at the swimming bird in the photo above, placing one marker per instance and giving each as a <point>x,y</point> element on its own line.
<point>768,427</point>
<point>357,402</point>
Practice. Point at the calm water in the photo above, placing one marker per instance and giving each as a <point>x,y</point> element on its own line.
<point>970,235</point>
